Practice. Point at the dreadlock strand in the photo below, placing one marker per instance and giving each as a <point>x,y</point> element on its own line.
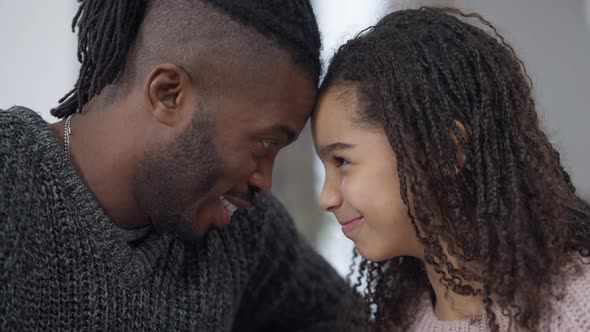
<point>103,44</point>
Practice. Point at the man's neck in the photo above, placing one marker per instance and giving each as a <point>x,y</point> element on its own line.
<point>97,148</point>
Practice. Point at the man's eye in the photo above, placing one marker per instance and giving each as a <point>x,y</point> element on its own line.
<point>269,144</point>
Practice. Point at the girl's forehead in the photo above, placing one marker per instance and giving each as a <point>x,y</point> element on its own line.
<point>333,112</point>
<point>338,101</point>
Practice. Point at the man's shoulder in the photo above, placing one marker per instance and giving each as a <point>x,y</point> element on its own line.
<point>20,149</point>
<point>266,223</point>
<point>15,128</point>
<point>271,214</point>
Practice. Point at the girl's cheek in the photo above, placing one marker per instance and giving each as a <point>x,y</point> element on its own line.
<point>351,187</point>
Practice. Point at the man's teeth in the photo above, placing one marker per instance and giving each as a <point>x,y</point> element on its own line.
<point>228,206</point>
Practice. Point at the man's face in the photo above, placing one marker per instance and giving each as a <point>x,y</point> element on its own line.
<point>225,154</point>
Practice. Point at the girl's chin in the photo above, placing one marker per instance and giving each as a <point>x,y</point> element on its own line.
<point>373,254</point>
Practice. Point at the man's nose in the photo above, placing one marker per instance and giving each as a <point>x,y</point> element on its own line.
<point>261,179</point>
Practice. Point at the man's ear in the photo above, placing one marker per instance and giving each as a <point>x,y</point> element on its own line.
<point>167,89</point>
<point>459,153</point>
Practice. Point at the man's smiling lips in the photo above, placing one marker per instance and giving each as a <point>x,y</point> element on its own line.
<point>237,202</point>
<point>229,205</point>
<point>224,207</point>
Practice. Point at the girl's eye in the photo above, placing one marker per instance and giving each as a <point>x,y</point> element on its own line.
<point>269,144</point>
<point>340,161</point>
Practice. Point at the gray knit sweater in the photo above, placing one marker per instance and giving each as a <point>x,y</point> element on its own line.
<point>65,267</point>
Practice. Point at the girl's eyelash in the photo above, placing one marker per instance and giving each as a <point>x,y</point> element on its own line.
<point>340,161</point>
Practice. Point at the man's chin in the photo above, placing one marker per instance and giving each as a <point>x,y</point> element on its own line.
<point>182,229</point>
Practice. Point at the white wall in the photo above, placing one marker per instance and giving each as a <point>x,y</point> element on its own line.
<point>553,38</point>
<point>38,62</point>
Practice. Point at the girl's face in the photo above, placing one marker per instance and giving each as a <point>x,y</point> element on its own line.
<point>361,186</point>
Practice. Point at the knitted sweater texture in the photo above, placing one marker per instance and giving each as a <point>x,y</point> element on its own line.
<point>570,313</point>
<point>64,266</point>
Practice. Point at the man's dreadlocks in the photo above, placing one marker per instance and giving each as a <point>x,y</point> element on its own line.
<point>107,32</point>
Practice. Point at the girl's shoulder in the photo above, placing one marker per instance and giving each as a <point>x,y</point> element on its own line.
<point>426,320</point>
<point>571,306</point>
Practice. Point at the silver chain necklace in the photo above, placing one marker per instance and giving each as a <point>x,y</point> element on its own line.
<point>67,134</point>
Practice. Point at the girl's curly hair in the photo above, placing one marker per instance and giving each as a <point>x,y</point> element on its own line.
<point>437,84</point>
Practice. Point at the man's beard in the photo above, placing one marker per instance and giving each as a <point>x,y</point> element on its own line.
<point>169,178</point>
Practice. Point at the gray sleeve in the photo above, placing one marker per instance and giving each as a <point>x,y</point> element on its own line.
<point>293,288</point>
<point>13,194</point>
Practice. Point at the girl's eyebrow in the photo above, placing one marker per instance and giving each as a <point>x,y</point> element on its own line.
<point>327,150</point>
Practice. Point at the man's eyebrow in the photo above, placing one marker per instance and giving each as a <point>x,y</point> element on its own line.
<point>288,132</point>
<point>327,150</point>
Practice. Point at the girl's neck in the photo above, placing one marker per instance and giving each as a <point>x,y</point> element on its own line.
<point>450,305</point>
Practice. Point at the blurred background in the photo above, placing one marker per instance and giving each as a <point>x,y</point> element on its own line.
<point>38,66</point>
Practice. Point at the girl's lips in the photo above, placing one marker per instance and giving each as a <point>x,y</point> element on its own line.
<point>349,228</point>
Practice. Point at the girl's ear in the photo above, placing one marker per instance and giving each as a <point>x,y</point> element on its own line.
<point>459,152</point>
